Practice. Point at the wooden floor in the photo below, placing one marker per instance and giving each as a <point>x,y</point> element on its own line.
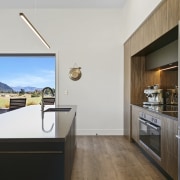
<point>111,158</point>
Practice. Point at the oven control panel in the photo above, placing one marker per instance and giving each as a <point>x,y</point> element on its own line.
<point>150,118</point>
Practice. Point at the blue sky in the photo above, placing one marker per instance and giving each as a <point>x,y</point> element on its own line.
<point>34,71</point>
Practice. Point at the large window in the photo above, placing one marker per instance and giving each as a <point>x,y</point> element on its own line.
<point>25,76</point>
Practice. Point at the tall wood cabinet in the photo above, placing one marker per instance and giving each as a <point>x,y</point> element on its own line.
<point>161,20</point>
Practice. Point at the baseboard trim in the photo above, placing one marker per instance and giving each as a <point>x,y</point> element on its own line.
<point>100,132</point>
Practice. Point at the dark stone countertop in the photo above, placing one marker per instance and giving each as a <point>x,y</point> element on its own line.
<point>165,110</point>
<point>29,124</point>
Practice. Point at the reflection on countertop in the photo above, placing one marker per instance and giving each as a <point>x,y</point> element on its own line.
<point>31,123</point>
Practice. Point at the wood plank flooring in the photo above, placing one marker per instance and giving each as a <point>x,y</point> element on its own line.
<point>111,158</point>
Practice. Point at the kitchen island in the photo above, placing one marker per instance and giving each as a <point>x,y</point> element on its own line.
<point>37,144</point>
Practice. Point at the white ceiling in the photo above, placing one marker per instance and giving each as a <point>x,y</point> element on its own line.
<point>61,4</point>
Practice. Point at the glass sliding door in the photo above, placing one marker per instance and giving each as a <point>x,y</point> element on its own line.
<point>24,76</point>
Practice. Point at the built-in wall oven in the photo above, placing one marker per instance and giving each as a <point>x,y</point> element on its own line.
<point>150,133</point>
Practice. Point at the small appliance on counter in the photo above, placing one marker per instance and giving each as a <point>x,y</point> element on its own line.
<point>154,95</point>
<point>171,96</point>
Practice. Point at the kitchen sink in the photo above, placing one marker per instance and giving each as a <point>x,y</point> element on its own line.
<point>57,110</point>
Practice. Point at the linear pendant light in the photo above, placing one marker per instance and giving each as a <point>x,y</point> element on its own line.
<point>34,29</point>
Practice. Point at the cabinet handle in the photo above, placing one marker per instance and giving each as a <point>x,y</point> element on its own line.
<point>177,136</point>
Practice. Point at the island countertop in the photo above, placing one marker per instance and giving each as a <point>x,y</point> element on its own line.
<point>30,124</point>
<point>37,145</point>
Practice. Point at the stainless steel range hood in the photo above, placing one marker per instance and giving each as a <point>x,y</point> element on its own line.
<point>163,58</point>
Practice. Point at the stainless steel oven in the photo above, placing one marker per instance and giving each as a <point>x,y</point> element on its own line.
<point>150,133</point>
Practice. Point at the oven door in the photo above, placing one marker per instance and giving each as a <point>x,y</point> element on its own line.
<point>150,137</point>
<point>154,138</point>
<point>143,132</point>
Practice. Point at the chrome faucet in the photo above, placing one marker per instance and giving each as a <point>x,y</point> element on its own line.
<point>43,92</point>
<point>43,128</point>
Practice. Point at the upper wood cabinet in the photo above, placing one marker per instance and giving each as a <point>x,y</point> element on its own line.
<point>173,13</point>
<point>163,18</point>
<point>156,24</point>
<point>137,40</point>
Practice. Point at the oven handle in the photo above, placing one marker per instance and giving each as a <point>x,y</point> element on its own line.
<point>154,127</point>
<point>143,121</point>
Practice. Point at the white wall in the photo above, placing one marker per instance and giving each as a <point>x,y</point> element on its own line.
<point>92,38</point>
<point>135,12</point>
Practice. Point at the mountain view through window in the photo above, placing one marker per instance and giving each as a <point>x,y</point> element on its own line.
<point>25,76</point>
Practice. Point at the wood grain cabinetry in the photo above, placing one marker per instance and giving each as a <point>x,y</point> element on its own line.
<point>135,123</point>
<point>137,79</point>
<point>162,20</point>
<point>127,72</point>
<point>173,13</point>
<point>137,44</point>
<point>156,24</point>
<point>140,79</point>
<point>169,147</point>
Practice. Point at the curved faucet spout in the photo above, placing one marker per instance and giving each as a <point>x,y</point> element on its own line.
<point>43,93</point>
<point>46,131</point>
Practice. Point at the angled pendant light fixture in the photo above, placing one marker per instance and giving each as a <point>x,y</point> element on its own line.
<point>26,20</point>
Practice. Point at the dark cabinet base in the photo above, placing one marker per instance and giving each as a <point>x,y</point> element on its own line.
<point>51,160</point>
<point>32,166</point>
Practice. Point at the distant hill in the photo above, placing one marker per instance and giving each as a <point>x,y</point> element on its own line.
<point>26,89</point>
<point>5,88</point>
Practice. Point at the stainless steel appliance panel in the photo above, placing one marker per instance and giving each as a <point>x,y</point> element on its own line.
<point>150,133</point>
